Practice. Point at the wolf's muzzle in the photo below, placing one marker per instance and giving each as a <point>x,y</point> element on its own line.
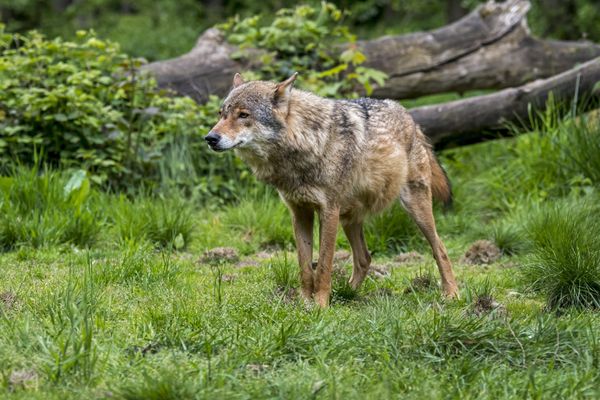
<point>212,139</point>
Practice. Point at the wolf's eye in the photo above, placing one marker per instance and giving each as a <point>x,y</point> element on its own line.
<point>243,115</point>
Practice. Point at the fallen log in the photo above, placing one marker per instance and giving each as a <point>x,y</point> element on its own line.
<point>490,48</point>
<point>478,118</point>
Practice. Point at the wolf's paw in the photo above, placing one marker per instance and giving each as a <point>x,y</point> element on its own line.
<point>451,292</point>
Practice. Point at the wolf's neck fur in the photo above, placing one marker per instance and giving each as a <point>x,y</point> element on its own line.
<point>315,129</point>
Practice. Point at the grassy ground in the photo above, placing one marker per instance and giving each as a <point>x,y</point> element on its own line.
<point>103,296</point>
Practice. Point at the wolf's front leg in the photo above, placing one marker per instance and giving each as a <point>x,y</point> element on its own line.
<point>303,219</point>
<point>328,224</point>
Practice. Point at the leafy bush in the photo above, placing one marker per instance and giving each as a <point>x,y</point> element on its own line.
<point>84,103</point>
<point>565,264</point>
<point>301,40</point>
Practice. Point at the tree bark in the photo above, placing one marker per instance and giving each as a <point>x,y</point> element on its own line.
<point>478,118</point>
<point>490,48</point>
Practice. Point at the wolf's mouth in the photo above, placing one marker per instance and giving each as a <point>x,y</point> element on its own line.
<point>220,149</point>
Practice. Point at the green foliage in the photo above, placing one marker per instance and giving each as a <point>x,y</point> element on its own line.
<point>392,231</point>
<point>556,159</point>
<point>165,385</point>
<point>509,238</point>
<point>565,264</point>
<point>261,218</point>
<point>86,104</point>
<point>41,208</point>
<point>68,344</point>
<point>285,272</point>
<point>154,29</point>
<point>165,222</point>
<point>583,147</point>
<point>301,40</point>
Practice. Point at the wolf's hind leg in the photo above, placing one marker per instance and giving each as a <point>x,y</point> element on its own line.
<point>416,199</point>
<point>360,254</point>
<point>303,220</point>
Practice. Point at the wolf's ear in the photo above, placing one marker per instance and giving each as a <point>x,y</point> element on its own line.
<point>238,80</point>
<point>283,89</point>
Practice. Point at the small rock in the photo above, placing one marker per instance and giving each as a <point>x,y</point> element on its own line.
<point>22,379</point>
<point>220,254</point>
<point>481,252</point>
<point>409,258</point>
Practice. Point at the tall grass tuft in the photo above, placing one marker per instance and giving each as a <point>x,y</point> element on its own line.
<point>262,218</point>
<point>285,272</point>
<point>41,208</point>
<point>69,343</point>
<point>509,238</point>
<point>163,385</point>
<point>583,137</point>
<point>565,263</point>
<point>166,222</point>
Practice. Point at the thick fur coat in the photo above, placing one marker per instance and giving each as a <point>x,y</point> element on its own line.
<point>343,159</point>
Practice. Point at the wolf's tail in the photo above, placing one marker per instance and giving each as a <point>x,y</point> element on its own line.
<point>440,185</point>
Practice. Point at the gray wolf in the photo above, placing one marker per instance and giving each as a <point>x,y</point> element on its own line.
<point>340,159</point>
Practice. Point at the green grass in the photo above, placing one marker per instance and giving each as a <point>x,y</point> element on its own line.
<point>565,262</point>
<point>122,307</point>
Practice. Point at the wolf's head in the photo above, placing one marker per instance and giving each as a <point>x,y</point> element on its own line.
<point>252,115</point>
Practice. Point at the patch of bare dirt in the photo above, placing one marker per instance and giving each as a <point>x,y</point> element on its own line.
<point>481,252</point>
<point>22,379</point>
<point>486,304</point>
<point>421,283</point>
<point>8,300</point>
<point>220,254</point>
<point>411,257</point>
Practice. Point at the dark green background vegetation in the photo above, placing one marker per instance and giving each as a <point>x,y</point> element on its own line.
<point>166,28</point>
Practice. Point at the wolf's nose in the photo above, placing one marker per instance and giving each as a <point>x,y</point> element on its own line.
<point>212,138</point>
